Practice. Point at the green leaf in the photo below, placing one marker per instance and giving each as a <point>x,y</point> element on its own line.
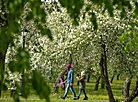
<point>42,16</point>
<point>35,50</point>
<point>4,87</point>
<point>109,6</point>
<point>129,32</point>
<point>88,8</point>
<point>16,96</point>
<point>39,84</point>
<point>22,62</point>
<point>45,31</point>
<point>30,16</point>
<point>25,89</point>
<point>123,13</point>
<point>73,8</point>
<point>136,10</point>
<point>93,20</point>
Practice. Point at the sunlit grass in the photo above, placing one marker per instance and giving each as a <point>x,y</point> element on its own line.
<point>94,96</point>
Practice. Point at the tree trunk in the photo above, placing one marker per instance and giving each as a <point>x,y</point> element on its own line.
<point>88,78</point>
<point>78,73</point>
<point>97,83</point>
<point>136,86</point>
<point>97,80</point>
<point>102,84</point>
<point>55,89</point>
<point>118,76</point>
<point>2,62</point>
<point>134,92</point>
<point>111,80</point>
<point>126,87</point>
<point>2,67</point>
<point>103,66</point>
<point>0,88</point>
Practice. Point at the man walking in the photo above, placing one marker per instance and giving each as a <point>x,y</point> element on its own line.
<point>70,81</point>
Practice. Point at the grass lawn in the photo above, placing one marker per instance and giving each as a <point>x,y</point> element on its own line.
<point>93,96</point>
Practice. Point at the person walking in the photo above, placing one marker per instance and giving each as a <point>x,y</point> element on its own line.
<point>82,85</point>
<point>70,81</point>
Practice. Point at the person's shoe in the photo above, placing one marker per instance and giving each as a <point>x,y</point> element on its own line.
<point>62,98</point>
<point>86,98</point>
<point>76,98</point>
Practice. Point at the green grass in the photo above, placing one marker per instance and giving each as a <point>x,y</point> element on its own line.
<point>94,96</point>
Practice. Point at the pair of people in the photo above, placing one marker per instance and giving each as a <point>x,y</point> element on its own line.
<point>70,81</point>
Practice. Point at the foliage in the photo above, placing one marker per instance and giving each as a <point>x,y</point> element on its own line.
<point>94,20</point>
<point>11,24</point>
<point>51,57</point>
<point>130,38</point>
<point>83,41</point>
<point>74,12</point>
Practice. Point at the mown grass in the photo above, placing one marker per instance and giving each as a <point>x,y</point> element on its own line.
<point>94,96</point>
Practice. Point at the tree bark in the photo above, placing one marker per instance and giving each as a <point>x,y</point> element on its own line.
<point>0,87</point>
<point>55,89</point>
<point>6,38</point>
<point>2,60</point>
<point>88,78</point>
<point>111,80</point>
<point>126,87</point>
<point>134,93</point>
<point>3,52</point>
<point>97,83</point>
<point>103,66</point>
<point>78,73</point>
<point>102,84</point>
<point>136,86</point>
<point>118,76</point>
<point>97,80</point>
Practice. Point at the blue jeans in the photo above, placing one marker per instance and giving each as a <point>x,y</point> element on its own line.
<point>67,89</point>
<point>83,92</point>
